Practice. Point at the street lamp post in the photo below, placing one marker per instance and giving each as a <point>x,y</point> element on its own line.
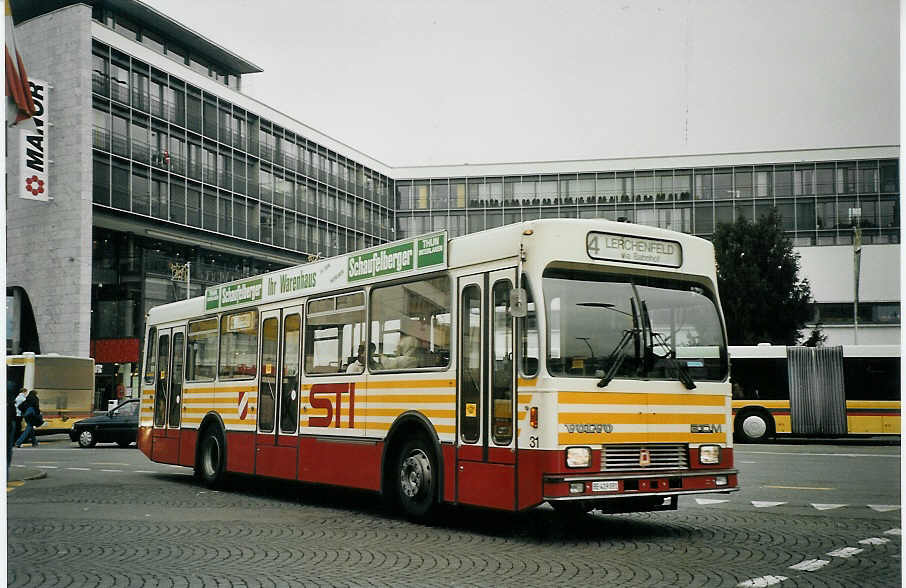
<point>857,259</point>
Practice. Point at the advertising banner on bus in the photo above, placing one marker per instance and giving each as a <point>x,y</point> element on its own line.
<point>397,259</point>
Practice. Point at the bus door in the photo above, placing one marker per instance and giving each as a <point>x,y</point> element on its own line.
<point>164,440</point>
<point>486,440</point>
<point>175,395</point>
<point>277,440</point>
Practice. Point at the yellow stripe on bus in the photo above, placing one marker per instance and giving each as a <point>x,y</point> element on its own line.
<point>641,418</point>
<point>392,412</point>
<point>642,398</point>
<point>765,403</point>
<point>405,399</point>
<point>442,383</point>
<point>388,384</point>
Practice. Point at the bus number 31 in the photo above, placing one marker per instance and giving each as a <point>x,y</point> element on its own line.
<point>329,397</point>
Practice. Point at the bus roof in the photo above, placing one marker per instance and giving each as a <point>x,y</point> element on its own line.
<point>570,240</point>
<point>779,351</point>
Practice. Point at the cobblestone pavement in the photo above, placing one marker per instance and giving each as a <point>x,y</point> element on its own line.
<point>161,529</point>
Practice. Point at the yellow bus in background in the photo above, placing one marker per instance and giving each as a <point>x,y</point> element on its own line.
<point>817,392</point>
<point>64,385</point>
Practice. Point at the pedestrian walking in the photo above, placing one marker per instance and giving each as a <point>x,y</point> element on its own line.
<point>31,414</point>
<point>12,430</point>
<point>23,394</point>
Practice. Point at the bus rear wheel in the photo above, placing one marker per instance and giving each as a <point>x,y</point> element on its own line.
<point>209,465</point>
<point>754,426</point>
<point>416,479</point>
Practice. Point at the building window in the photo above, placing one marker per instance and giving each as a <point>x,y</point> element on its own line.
<point>141,200</point>
<point>193,207</point>
<point>100,180</point>
<point>100,80</point>
<point>159,199</point>
<point>870,313</point>
<point>120,185</point>
<point>126,27</point>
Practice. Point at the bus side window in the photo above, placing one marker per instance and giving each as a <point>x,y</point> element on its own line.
<point>528,333</point>
<point>334,329</point>
<point>201,351</point>
<point>239,345</point>
<point>150,356</point>
<point>410,326</point>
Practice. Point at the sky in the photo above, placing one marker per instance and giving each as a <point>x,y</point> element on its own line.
<point>431,82</point>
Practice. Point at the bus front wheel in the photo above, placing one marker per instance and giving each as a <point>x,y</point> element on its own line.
<point>211,458</point>
<point>754,426</point>
<point>416,479</point>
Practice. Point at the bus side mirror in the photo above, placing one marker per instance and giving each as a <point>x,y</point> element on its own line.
<point>518,302</point>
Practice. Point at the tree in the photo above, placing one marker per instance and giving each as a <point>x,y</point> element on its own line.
<point>815,338</point>
<point>763,299</point>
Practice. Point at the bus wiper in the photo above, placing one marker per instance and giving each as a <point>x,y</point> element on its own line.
<point>616,357</point>
<point>682,372</point>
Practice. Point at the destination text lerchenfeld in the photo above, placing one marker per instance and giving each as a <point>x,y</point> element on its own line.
<point>640,246</point>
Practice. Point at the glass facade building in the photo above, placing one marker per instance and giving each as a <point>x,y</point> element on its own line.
<point>818,202</point>
<point>169,151</point>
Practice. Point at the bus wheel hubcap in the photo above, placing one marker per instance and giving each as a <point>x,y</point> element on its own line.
<point>415,473</point>
<point>754,426</point>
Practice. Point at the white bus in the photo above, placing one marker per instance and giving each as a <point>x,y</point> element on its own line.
<point>64,385</point>
<point>581,363</point>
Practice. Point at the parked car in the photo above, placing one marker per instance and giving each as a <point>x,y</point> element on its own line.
<point>118,425</point>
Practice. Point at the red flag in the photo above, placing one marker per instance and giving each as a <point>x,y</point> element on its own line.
<point>18,94</point>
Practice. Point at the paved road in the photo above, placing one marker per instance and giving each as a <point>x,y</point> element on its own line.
<point>809,515</point>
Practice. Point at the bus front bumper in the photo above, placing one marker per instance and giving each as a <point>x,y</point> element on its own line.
<point>639,484</point>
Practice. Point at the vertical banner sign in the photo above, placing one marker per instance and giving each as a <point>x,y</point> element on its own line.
<point>34,148</point>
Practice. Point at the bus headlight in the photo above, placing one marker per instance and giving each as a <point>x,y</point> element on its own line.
<point>578,457</point>
<point>709,454</point>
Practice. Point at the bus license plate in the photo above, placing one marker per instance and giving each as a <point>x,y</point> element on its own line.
<point>606,486</point>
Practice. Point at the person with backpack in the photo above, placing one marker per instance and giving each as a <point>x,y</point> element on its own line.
<point>31,414</point>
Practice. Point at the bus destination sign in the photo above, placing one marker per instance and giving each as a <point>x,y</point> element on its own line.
<point>428,252</point>
<point>613,247</point>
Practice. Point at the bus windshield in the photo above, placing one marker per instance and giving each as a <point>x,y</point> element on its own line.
<point>631,327</point>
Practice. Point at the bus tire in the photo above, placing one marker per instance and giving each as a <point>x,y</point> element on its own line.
<point>209,465</point>
<point>754,426</point>
<point>415,478</point>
